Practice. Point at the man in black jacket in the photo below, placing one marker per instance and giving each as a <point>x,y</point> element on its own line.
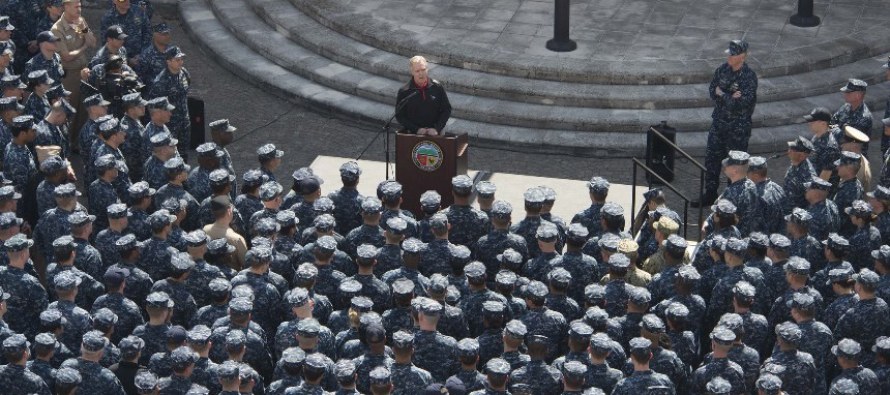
<point>422,105</point>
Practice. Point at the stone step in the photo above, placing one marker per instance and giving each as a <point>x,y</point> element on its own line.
<point>288,20</point>
<point>247,26</point>
<point>340,16</point>
<point>202,25</point>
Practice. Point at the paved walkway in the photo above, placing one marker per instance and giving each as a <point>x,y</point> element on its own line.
<point>621,29</point>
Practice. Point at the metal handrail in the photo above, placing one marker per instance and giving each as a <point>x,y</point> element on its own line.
<point>633,194</point>
<point>652,129</point>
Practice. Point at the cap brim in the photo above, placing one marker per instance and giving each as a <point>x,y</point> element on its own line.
<point>845,90</point>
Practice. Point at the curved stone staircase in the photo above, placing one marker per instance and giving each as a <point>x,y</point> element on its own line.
<point>295,49</point>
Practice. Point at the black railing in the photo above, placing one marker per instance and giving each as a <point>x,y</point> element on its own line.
<point>686,200</point>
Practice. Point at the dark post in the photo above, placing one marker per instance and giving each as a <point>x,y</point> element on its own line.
<point>561,41</point>
<point>804,16</point>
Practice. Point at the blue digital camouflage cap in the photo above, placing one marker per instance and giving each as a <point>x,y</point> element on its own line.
<point>598,185</point>
<point>501,209</point>
<point>652,323</point>
<point>293,357</point>
<point>62,191</point>
<point>836,242</point>
<point>736,158</point>
<point>344,370</point>
<point>844,386</point>
<point>516,329</point>
<point>789,332</point>
<point>859,209</point>
<point>497,367</point>
<point>718,386</point>
<point>722,335</point>
<point>145,381</point>
<point>798,265</point>
<point>737,47</point>
<point>770,384</point>
<point>846,348</point>
<point>94,341</point>
<point>462,185</point>
<point>430,199</point>
<point>486,189</point>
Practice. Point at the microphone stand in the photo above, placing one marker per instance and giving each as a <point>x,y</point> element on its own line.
<point>385,129</point>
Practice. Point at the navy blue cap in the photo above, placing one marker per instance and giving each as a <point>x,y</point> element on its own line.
<point>736,158</point>
<point>737,47</point>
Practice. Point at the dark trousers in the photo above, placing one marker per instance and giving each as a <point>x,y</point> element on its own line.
<point>723,137</point>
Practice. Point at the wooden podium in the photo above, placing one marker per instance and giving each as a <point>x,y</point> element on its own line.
<point>428,163</point>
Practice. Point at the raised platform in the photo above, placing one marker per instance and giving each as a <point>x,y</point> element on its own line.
<point>350,57</point>
<point>571,195</point>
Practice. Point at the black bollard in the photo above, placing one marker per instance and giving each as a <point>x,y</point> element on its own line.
<point>804,16</point>
<point>561,41</point>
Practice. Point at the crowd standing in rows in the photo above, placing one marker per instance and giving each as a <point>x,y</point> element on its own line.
<point>181,280</point>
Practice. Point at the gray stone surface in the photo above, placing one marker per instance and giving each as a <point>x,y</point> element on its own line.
<point>620,42</point>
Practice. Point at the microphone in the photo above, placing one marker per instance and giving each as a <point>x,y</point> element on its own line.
<point>414,92</point>
<point>777,156</point>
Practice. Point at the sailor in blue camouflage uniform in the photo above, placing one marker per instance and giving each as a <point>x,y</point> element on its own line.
<point>854,112</point>
<point>737,270</point>
<point>198,183</point>
<point>28,297</point>
<point>882,361</point>
<point>741,191</point>
<point>800,171</point>
<point>106,239</point>
<point>113,137</point>
<point>866,319</point>
<point>497,372</point>
<point>662,285</point>
<point>664,360</point>
<point>734,93</point>
<point>826,147</point>
<point>156,253</point>
<point>114,38</point>
<point>218,292</point>
<point>236,336</point>
<point>37,104</point>
<point>803,244</point>
<point>19,163</point>
<point>720,365</point>
<point>878,200</point>
<point>182,362</point>
<point>128,313</point>
<point>540,320</point>
<point>600,374</point>
<point>290,365</point>
<point>174,82</point>
<point>754,331</point>
<point>219,182</point>
<point>540,377</point>
<point>372,287</point>
<point>140,197</point>
<point>835,250</point>
<point>410,249</point>
<point>389,257</point>
<point>95,378</point>
<point>138,281</point>
<point>430,204</point>
<point>11,107</point>
<point>134,22</point>
<point>266,296</point>
<point>434,352</point>
<point>866,238</point>
<point>174,285</point>
<point>797,274</point>
<point>370,231</point>
<point>642,378</point>
<point>558,281</point>
<point>437,255</point>
<point>478,294</point>
<point>514,336</point>
<point>102,192</point>
<point>43,349</point>
<point>816,338</point>
<point>151,58</point>
<point>794,367</point>
<point>770,196</point>
<point>579,342</point>
<point>850,355</point>
<point>612,221</point>
<point>177,172</point>
<point>528,226</point>
<point>63,253</point>
<point>826,218</point>
<point>849,188</point>
<point>583,268</point>
<point>53,129</point>
<point>491,340</point>
<point>549,201</point>
<point>468,224</point>
<point>485,191</point>
<point>390,194</point>
<point>55,172</point>
<point>78,320</point>
<point>164,148</point>
<point>347,200</point>
<point>498,239</point>
<point>598,189</point>
<point>14,377</point>
<point>537,267</point>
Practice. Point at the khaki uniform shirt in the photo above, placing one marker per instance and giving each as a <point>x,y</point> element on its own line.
<point>70,40</point>
<point>216,231</point>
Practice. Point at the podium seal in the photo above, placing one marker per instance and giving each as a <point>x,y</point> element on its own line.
<point>427,156</point>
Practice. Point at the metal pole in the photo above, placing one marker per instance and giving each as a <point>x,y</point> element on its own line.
<point>805,16</point>
<point>561,41</point>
